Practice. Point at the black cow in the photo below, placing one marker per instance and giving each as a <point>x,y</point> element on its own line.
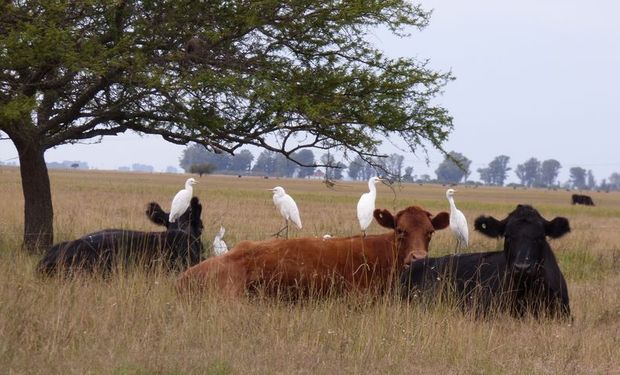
<point>586,200</point>
<point>523,278</point>
<point>177,247</point>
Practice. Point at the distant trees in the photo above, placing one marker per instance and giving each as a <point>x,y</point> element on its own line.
<point>591,183</point>
<point>305,157</point>
<point>529,172</point>
<point>578,177</point>
<point>200,169</point>
<point>614,181</point>
<point>393,165</point>
<point>496,172</point>
<point>198,154</point>
<point>451,172</point>
<point>334,168</point>
<point>360,170</point>
<point>549,171</point>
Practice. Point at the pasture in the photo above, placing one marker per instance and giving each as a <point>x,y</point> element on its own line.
<point>135,323</point>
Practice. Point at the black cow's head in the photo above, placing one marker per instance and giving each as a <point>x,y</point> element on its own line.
<point>189,222</point>
<point>524,232</point>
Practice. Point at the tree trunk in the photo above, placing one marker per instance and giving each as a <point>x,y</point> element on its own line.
<point>38,210</point>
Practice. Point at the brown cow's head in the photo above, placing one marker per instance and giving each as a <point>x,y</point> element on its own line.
<point>414,228</point>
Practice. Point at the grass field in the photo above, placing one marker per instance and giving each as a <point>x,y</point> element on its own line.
<point>135,324</point>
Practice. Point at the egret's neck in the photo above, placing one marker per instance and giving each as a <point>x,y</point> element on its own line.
<point>451,200</point>
<point>372,188</point>
<point>188,186</point>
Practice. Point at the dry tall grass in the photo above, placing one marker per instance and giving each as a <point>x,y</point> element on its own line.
<point>135,324</point>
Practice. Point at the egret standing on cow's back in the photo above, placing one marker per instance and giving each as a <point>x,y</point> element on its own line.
<point>366,204</point>
<point>180,203</point>
<point>458,222</point>
<point>287,207</point>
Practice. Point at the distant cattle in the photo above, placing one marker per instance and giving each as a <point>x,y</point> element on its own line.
<point>523,278</point>
<point>178,247</point>
<point>586,200</point>
<point>312,266</point>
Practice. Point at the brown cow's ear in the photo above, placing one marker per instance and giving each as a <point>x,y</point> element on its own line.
<point>384,218</point>
<point>441,220</point>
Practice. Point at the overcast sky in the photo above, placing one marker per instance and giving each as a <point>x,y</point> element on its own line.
<point>533,78</point>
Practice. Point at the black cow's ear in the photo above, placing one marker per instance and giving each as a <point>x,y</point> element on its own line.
<point>490,226</point>
<point>441,220</point>
<point>557,227</point>
<point>384,218</point>
<point>155,213</point>
<point>196,207</point>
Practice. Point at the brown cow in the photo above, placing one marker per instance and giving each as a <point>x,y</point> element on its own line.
<point>303,266</point>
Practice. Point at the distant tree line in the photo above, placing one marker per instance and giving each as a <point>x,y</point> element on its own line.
<point>454,169</point>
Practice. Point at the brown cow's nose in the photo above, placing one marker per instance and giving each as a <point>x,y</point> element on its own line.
<point>413,256</point>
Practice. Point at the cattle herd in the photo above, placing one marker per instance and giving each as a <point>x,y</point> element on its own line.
<point>522,279</point>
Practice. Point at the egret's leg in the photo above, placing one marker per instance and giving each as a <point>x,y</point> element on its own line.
<point>285,227</point>
<point>363,233</point>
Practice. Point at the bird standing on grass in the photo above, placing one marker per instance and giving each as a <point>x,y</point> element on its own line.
<point>458,223</point>
<point>219,246</point>
<point>180,203</point>
<point>366,204</point>
<point>287,207</point>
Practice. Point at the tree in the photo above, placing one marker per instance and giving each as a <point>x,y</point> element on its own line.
<point>578,177</point>
<point>198,154</point>
<point>333,169</point>
<point>265,163</point>
<point>408,176</point>
<point>496,172</point>
<point>614,181</point>
<point>304,157</point>
<point>241,162</point>
<point>529,172</point>
<point>394,165</point>
<point>549,171</point>
<point>360,169</point>
<point>281,75</point>
<point>202,168</point>
<point>451,172</point>
<point>591,184</point>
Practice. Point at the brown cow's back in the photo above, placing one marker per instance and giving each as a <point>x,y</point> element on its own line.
<point>300,266</point>
<point>318,266</point>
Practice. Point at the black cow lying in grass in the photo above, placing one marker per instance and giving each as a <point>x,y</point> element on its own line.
<point>178,247</point>
<point>586,200</point>
<point>522,279</point>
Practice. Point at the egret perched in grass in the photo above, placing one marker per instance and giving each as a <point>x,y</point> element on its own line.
<point>219,246</point>
<point>366,204</point>
<point>180,203</point>
<point>458,222</point>
<point>287,207</point>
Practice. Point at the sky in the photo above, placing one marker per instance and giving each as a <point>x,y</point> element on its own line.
<point>533,79</point>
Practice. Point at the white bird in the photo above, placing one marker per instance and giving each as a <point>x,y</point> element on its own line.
<point>287,207</point>
<point>180,203</point>
<point>366,204</point>
<point>458,222</point>
<point>219,246</point>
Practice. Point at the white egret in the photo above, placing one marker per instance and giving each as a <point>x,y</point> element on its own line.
<point>287,207</point>
<point>219,246</point>
<point>180,203</point>
<point>366,204</point>
<point>458,222</point>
